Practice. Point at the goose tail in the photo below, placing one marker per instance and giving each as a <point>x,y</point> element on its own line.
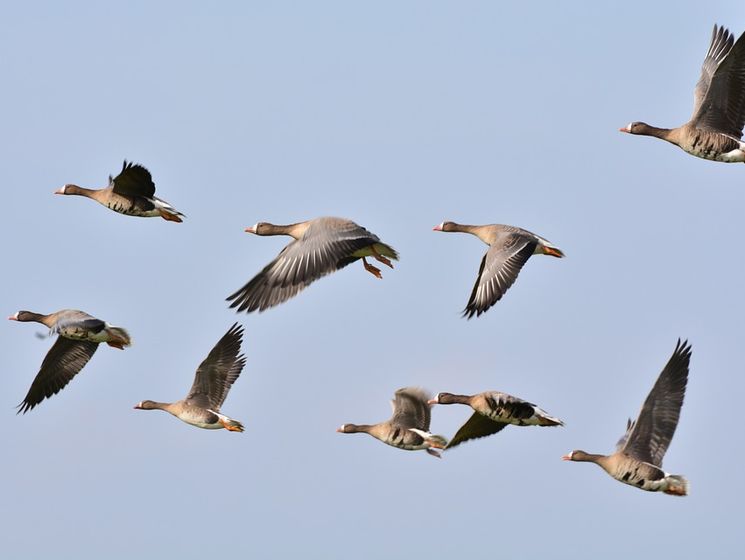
<point>676,485</point>
<point>118,337</point>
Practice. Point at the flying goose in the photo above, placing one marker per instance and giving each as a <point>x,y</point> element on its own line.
<point>214,377</point>
<point>638,457</point>
<point>79,335</point>
<point>319,247</point>
<point>715,129</point>
<point>132,193</point>
<point>494,411</point>
<point>408,428</point>
<point>509,248</point>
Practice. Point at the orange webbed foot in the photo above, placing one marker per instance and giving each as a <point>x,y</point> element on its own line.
<point>371,269</point>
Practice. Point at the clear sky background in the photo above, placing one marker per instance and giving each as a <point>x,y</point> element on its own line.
<point>398,115</point>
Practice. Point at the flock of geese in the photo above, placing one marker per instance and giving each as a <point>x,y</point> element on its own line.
<point>324,245</point>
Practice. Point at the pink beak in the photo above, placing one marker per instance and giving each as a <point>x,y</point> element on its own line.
<point>12,318</point>
<point>59,191</point>
<point>438,227</point>
<point>624,129</point>
<point>339,430</point>
<point>432,401</point>
<point>251,229</point>
<point>567,457</point>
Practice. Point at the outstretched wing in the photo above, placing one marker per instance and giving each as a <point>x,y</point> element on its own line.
<point>499,269</point>
<point>217,373</point>
<point>64,360</point>
<point>648,437</point>
<point>477,426</point>
<point>410,409</point>
<point>719,97</point>
<point>133,180</point>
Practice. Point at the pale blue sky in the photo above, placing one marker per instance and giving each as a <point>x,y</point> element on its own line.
<point>397,115</point>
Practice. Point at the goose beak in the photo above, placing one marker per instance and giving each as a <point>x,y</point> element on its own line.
<point>339,430</point>
<point>251,229</point>
<point>432,401</point>
<point>60,191</point>
<point>624,129</point>
<point>567,457</point>
<point>12,318</point>
<point>438,227</point>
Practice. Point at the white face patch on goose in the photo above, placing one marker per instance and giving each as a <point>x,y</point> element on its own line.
<point>628,127</point>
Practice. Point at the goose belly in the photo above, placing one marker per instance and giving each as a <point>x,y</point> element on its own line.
<point>643,476</point>
<point>140,207</point>
<point>204,421</point>
<point>718,148</point>
<point>405,439</point>
<point>76,333</point>
<point>204,425</point>
<point>733,156</point>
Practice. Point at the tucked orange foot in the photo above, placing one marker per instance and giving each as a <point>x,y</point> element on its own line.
<point>230,427</point>
<point>170,217</point>
<point>377,256</point>
<point>553,252</point>
<point>371,269</point>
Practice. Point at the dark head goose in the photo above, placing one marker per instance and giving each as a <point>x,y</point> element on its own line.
<point>715,129</point>
<point>79,335</point>
<point>494,411</point>
<point>320,247</point>
<point>638,458</point>
<point>509,249</point>
<point>408,428</point>
<point>214,377</point>
<point>132,193</point>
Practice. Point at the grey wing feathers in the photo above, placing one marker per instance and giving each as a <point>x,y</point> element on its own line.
<point>219,370</point>
<point>499,269</point>
<point>719,97</point>
<point>133,180</point>
<point>477,426</point>
<point>410,408</point>
<point>648,437</point>
<point>80,319</point>
<point>320,251</point>
<point>63,361</point>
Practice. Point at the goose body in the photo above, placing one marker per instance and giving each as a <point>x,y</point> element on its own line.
<point>510,248</point>
<point>131,193</point>
<point>214,378</point>
<point>319,247</point>
<point>715,129</point>
<point>639,453</point>
<point>79,335</point>
<point>408,428</point>
<point>493,411</point>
